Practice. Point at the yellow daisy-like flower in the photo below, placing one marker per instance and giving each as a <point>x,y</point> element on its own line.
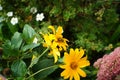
<point>48,38</point>
<point>59,40</point>
<point>73,63</point>
<point>55,42</point>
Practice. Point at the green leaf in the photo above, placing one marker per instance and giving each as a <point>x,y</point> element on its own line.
<point>29,46</point>
<point>11,48</point>
<point>28,33</point>
<point>16,40</point>
<point>19,68</point>
<point>8,50</point>
<point>44,64</point>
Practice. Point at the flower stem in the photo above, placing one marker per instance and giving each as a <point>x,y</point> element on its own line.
<point>39,57</point>
<point>41,71</point>
<point>43,52</point>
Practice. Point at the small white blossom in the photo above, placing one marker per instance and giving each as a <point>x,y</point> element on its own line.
<point>1,7</point>
<point>40,17</point>
<point>14,20</point>
<point>33,10</point>
<point>35,40</point>
<point>9,14</point>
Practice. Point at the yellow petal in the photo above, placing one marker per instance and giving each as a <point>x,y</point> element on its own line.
<point>81,72</point>
<point>64,72</point>
<point>62,66</point>
<point>67,59</point>
<point>71,78</point>
<point>56,52</point>
<point>66,55</point>
<point>72,53</point>
<point>81,53</point>
<point>67,74</point>
<point>59,30</point>
<point>76,76</point>
<point>84,63</point>
<point>52,28</point>
<point>55,57</point>
<point>77,53</point>
<point>77,50</point>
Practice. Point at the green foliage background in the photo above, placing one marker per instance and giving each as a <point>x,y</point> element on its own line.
<point>91,24</point>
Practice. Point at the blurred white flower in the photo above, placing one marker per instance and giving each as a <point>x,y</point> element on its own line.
<point>14,20</point>
<point>35,40</point>
<point>33,10</point>
<point>9,14</point>
<point>1,7</point>
<point>40,17</point>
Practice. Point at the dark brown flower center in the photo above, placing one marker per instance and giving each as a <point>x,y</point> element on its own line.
<point>73,65</point>
<point>60,40</point>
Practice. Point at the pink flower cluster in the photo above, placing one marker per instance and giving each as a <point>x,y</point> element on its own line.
<point>108,66</point>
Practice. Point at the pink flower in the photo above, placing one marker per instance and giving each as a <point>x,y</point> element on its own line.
<point>108,66</point>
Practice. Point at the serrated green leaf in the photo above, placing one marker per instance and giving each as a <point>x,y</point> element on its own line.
<point>19,68</point>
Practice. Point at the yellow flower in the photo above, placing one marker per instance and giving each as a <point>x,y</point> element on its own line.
<point>48,38</point>
<point>72,64</point>
<point>53,49</point>
<point>59,40</point>
<point>55,41</point>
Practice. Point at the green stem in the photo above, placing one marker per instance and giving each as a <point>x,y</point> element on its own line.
<point>39,57</point>
<point>41,71</point>
<point>43,52</point>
